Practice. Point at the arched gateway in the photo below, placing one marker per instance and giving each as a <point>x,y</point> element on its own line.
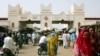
<point>46,18</point>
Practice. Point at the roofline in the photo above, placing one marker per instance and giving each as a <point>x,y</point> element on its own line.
<point>92,18</point>
<point>4,18</point>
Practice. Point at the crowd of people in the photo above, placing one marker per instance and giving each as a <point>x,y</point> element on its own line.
<point>86,43</point>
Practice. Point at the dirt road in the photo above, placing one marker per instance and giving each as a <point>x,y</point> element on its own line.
<point>29,50</point>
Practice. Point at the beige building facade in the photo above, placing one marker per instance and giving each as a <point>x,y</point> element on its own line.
<point>74,17</point>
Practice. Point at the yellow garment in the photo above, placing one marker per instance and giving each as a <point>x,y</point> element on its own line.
<point>52,42</point>
<point>56,40</point>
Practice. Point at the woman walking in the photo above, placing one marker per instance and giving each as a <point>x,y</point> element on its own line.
<point>83,45</point>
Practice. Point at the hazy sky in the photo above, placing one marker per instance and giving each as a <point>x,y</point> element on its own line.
<point>92,7</point>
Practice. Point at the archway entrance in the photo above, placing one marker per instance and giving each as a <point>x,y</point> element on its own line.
<point>62,24</point>
<point>29,24</point>
<point>55,24</point>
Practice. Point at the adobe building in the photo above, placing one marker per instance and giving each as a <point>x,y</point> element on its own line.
<point>74,18</point>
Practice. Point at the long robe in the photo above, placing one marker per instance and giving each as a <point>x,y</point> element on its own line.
<point>65,42</point>
<point>52,45</point>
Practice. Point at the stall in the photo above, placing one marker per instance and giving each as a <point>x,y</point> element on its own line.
<point>96,27</point>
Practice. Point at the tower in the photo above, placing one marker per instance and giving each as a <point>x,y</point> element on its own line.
<point>14,16</point>
<point>46,17</point>
<point>78,15</point>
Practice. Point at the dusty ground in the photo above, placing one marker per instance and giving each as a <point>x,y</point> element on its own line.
<point>29,50</point>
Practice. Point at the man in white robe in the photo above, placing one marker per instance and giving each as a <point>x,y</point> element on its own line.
<point>9,43</point>
<point>64,37</point>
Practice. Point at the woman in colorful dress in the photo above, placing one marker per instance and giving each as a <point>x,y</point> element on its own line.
<point>83,45</point>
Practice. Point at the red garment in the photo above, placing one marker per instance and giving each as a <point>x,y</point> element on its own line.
<point>84,44</point>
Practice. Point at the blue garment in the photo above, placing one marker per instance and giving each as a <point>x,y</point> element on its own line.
<point>73,36</point>
<point>52,34</point>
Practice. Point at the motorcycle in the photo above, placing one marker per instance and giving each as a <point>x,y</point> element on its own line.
<point>7,52</point>
<point>42,48</point>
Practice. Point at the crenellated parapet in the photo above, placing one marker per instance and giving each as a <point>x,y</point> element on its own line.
<point>77,9</point>
<point>14,10</point>
<point>63,16</point>
<point>46,9</point>
<point>29,16</point>
<point>24,15</point>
